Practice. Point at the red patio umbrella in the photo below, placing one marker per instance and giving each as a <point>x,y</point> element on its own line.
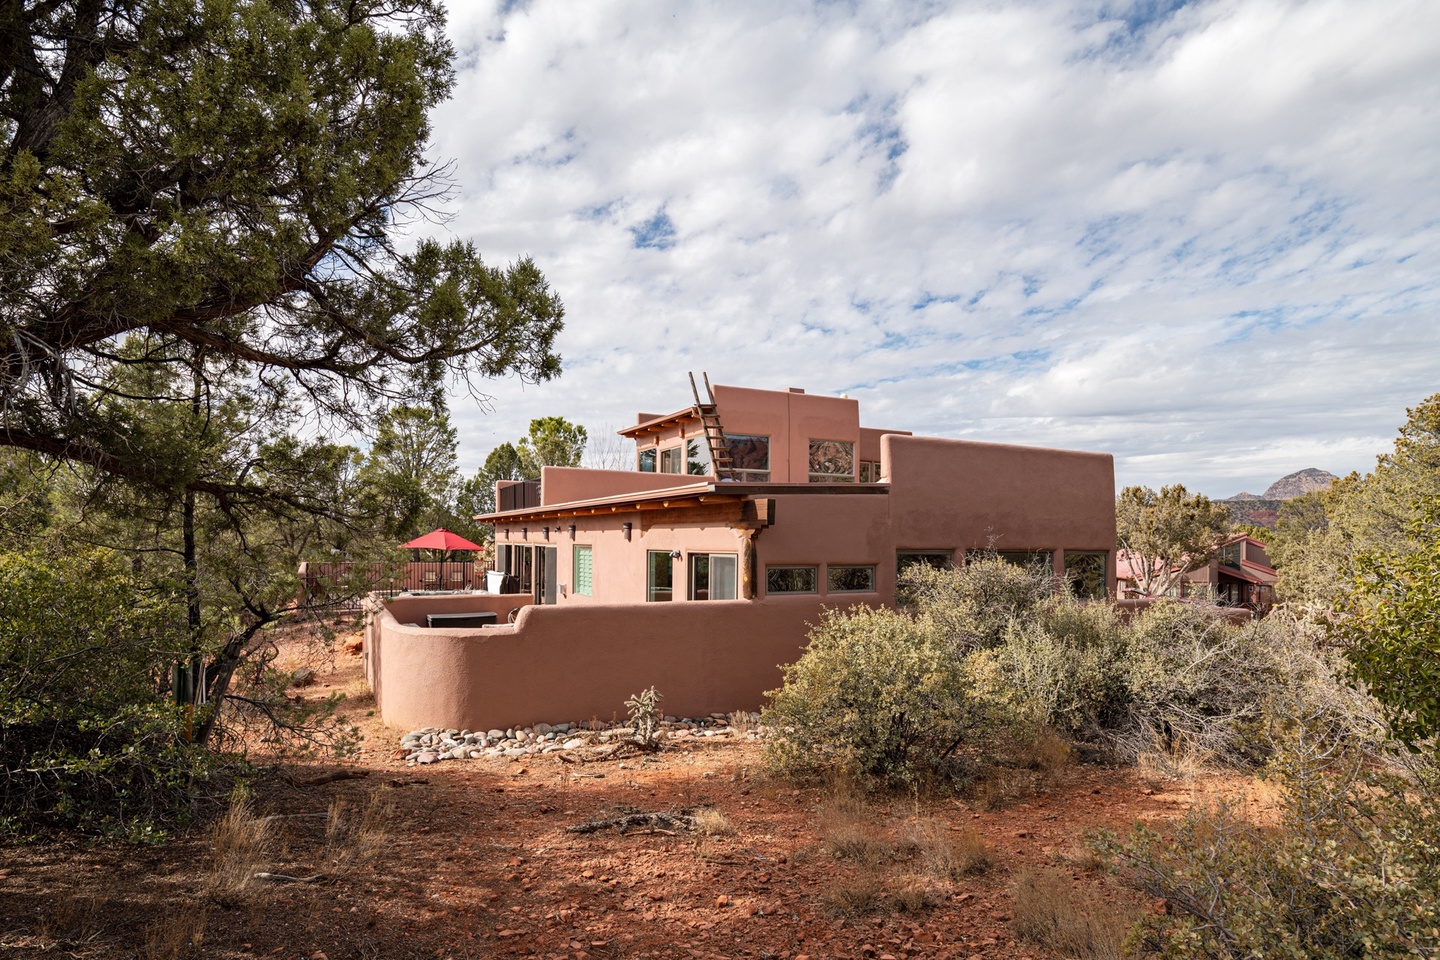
<point>441,539</point>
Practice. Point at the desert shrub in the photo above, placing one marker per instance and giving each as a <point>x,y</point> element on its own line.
<point>876,694</point>
<point>88,738</point>
<point>1351,870</point>
<point>1197,682</point>
<point>972,607</point>
<point>1059,666</point>
<point>645,718</point>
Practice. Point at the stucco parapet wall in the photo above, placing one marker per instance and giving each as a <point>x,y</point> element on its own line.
<point>709,492</point>
<point>558,664</point>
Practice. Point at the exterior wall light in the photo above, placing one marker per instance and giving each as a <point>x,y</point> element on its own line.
<point>524,533</point>
<point>674,554</point>
<point>626,527</point>
<point>572,531</point>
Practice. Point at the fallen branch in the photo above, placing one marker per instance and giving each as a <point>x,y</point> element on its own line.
<point>656,822</point>
<point>333,776</point>
<point>285,878</point>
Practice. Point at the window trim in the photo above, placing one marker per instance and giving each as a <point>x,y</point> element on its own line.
<point>690,575</point>
<point>818,477</point>
<point>750,474</point>
<point>831,567</point>
<point>1105,566</point>
<point>588,551</point>
<point>814,573</point>
<point>676,454</point>
<point>949,556</point>
<point>650,588</point>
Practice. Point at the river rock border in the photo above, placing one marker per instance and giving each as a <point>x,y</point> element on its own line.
<point>433,744</point>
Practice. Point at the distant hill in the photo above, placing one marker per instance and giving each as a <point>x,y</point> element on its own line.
<point>1301,481</point>
<point>1265,509</point>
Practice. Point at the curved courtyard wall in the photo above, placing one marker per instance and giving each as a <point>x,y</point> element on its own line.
<point>573,663</point>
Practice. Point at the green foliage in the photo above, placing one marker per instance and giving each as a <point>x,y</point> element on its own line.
<point>552,442</point>
<point>1391,630</point>
<point>1169,533</point>
<point>408,475</point>
<point>971,608</point>
<point>88,737</point>
<point>1060,665</point>
<point>1351,870</point>
<point>876,694</point>
<point>1321,541</point>
<point>233,175</point>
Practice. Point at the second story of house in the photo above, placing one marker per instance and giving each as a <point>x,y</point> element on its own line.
<point>763,436</point>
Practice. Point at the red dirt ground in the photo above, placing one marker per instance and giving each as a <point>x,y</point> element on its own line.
<point>474,860</point>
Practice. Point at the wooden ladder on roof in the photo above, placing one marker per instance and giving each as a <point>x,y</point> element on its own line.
<point>709,418</point>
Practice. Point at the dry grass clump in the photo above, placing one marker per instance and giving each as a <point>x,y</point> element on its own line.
<point>1078,924</point>
<point>354,837</point>
<point>853,895</point>
<point>912,893</point>
<point>1177,761</point>
<point>847,829</point>
<point>239,842</point>
<point>70,917</point>
<point>947,854</point>
<point>710,822</point>
<point>742,721</point>
<point>173,936</point>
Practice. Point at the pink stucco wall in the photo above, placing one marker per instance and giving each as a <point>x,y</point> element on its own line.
<point>559,664</point>
<point>791,420</point>
<point>567,484</point>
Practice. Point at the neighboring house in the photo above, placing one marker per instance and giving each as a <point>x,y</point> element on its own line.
<point>746,516</point>
<point>1241,576</point>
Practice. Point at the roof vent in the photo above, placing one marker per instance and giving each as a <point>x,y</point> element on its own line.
<point>796,390</point>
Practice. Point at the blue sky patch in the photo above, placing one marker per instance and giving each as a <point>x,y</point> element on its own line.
<point>657,233</point>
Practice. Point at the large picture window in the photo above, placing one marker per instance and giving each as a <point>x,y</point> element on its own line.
<point>850,579</point>
<point>832,461</point>
<point>659,576</point>
<point>749,457</point>
<point>714,576</point>
<point>697,457</point>
<point>791,579</point>
<point>1040,560</point>
<point>584,578</point>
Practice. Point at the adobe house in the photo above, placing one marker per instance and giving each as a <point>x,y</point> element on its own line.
<point>1241,576</point>
<point>698,571</point>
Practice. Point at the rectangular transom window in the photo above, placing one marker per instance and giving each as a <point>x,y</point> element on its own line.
<point>832,461</point>
<point>749,457</point>
<point>659,576</point>
<point>714,576</point>
<point>850,579</point>
<point>1085,573</point>
<point>939,559</point>
<point>791,579</point>
<point>584,579</point>
<point>645,460</point>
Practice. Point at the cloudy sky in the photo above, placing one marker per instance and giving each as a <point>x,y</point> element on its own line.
<point>1204,237</point>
